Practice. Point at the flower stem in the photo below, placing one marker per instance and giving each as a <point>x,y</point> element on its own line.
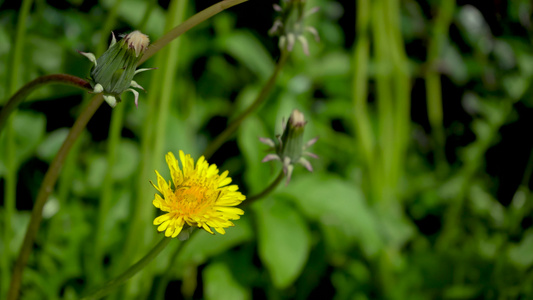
<point>433,82</point>
<point>45,191</point>
<point>269,189</point>
<point>188,24</point>
<point>143,262</point>
<point>232,127</point>
<point>23,92</point>
<point>10,174</point>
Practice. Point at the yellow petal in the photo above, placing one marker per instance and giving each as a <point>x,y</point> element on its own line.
<point>231,210</point>
<point>206,228</point>
<point>175,172</point>
<point>162,219</point>
<point>157,201</point>
<point>161,183</point>
<point>220,230</point>
<point>169,232</point>
<point>163,226</point>
<point>224,182</point>
<point>177,231</point>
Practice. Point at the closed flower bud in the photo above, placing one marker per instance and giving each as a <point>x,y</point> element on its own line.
<point>290,25</point>
<point>289,147</point>
<point>113,72</point>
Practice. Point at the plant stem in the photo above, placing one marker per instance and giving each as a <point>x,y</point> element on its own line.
<point>143,262</point>
<point>433,83</point>
<point>363,125</point>
<point>10,178</point>
<point>188,24</point>
<point>106,195</point>
<point>44,192</point>
<point>143,212</point>
<point>269,189</point>
<point>232,127</point>
<point>23,92</point>
<point>165,278</point>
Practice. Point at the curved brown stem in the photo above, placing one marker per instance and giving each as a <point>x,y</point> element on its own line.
<point>23,92</point>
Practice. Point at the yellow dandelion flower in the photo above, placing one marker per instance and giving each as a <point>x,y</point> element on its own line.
<point>200,197</point>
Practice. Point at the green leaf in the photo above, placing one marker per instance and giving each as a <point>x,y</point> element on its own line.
<point>203,245</point>
<point>96,172</point>
<point>29,128</point>
<point>47,150</point>
<point>127,160</point>
<point>522,253</point>
<point>250,52</point>
<point>219,283</point>
<point>337,203</point>
<point>256,172</point>
<point>284,240</point>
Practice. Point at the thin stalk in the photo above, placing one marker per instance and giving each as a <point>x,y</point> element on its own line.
<point>143,262</point>
<point>165,278</point>
<point>95,263</point>
<point>24,91</point>
<point>401,86</point>
<point>187,25</point>
<point>363,127</point>
<point>433,84</point>
<point>10,183</point>
<point>151,136</point>
<point>45,190</point>
<point>10,186</point>
<point>269,189</point>
<point>261,97</point>
<point>385,100</point>
<point>106,194</point>
<point>176,15</point>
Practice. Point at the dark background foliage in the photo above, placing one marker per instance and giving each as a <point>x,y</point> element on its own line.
<point>456,224</point>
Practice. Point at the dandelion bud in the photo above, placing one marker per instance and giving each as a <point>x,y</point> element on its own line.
<point>292,137</point>
<point>290,25</point>
<point>113,72</point>
<point>289,147</point>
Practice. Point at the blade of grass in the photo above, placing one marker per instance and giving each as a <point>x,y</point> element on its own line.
<point>152,144</point>
<point>433,84</point>
<point>10,178</point>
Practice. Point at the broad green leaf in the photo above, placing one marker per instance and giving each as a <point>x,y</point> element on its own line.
<point>28,128</point>
<point>338,203</point>
<point>219,283</point>
<point>522,254</point>
<point>250,52</point>
<point>96,172</point>
<point>47,150</point>
<point>203,245</point>
<point>284,240</point>
<point>256,172</point>
<point>127,160</point>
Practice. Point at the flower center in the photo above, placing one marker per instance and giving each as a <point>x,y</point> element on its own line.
<point>193,200</point>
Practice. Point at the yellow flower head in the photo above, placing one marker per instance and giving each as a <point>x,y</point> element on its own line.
<point>201,197</point>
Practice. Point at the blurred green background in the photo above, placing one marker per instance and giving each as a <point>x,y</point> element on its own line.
<point>424,111</point>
